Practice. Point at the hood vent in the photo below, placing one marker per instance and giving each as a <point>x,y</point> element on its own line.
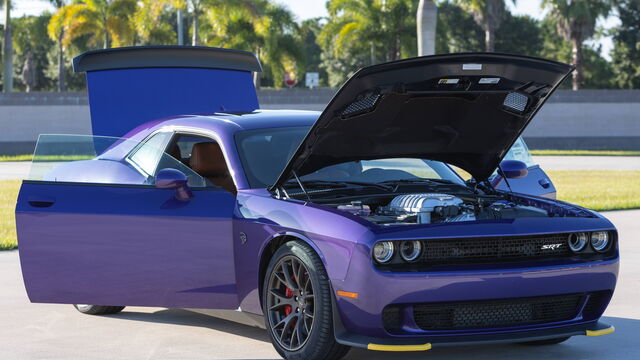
<point>366,104</point>
<point>516,102</point>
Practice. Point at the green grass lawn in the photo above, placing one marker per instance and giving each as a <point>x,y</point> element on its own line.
<point>27,157</point>
<point>597,190</point>
<point>8,195</point>
<point>585,152</point>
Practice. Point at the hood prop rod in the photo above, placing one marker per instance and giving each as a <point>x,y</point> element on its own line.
<point>504,177</point>
<point>301,186</point>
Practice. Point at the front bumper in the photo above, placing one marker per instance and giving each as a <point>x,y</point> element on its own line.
<point>426,343</point>
<point>361,320</point>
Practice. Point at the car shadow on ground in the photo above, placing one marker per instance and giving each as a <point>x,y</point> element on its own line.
<point>619,345</point>
<point>190,318</point>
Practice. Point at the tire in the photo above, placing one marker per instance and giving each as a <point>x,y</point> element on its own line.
<point>299,309</point>
<point>546,342</point>
<point>98,309</point>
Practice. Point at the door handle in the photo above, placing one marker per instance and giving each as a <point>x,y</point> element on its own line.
<point>40,201</point>
<point>545,183</point>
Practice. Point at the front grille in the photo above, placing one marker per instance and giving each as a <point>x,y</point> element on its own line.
<point>494,249</point>
<point>596,304</point>
<point>497,313</point>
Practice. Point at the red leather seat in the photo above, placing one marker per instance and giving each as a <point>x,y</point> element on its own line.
<point>208,160</point>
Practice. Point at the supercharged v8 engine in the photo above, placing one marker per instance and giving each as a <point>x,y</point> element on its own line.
<point>429,208</point>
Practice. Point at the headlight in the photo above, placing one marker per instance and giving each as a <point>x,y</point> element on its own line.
<point>600,240</point>
<point>577,241</point>
<point>383,251</point>
<point>410,250</point>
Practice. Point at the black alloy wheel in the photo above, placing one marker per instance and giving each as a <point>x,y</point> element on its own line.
<point>297,301</point>
<point>290,302</point>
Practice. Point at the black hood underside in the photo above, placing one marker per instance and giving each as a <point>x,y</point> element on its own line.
<point>466,110</point>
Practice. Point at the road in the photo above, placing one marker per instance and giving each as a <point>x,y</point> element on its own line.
<point>42,331</point>
<point>11,170</point>
<point>588,162</point>
<point>20,170</point>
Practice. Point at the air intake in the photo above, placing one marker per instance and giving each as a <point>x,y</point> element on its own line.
<point>516,102</point>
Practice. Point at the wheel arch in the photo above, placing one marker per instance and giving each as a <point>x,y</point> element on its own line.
<point>272,244</point>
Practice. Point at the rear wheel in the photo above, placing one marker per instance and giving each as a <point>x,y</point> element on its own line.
<point>547,341</point>
<point>98,309</point>
<point>297,305</point>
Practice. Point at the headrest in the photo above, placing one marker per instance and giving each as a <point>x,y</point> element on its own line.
<point>208,160</point>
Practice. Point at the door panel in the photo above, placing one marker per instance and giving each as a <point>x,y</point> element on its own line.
<point>124,245</point>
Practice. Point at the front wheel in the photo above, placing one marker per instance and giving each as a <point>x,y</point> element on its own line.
<point>98,309</point>
<point>296,300</point>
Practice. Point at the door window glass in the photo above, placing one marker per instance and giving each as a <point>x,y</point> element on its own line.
<point>148,154</point>
<point>520,151</point>
<point>105,160</point>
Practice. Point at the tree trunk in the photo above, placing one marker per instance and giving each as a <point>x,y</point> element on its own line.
<point>61,75</point>
<point>195,41</point>
<point>7,52</point>
<point>489,40</point>
<point>427,18</point>
<point>180,28</point>
<point>577,62</point>
<point>256,75</point>
<point>373,53</point>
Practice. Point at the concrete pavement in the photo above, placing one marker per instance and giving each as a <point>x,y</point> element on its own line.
<point>588,162</point>
<point>12,170</point>
<point>43,331</point>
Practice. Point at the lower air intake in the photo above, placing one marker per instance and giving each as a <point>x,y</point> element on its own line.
<point>497,313</point>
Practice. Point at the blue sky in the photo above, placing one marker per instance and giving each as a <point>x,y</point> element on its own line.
<point>305,9</point>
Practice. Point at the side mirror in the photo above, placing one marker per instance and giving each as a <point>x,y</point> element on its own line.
<point>174,179</point>
<point>513,169</point>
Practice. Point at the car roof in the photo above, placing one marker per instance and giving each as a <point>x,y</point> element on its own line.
<point>226,125</point>
<point>261,119</point>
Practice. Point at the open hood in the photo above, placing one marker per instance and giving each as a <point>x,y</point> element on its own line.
<point>462,109</point>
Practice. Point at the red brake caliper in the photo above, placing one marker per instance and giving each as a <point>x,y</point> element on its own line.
<point>287,308</point>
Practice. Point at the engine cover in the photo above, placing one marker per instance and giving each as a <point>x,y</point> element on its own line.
<point>423,205</point>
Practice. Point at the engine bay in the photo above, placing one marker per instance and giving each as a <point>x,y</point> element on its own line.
<point>430,208</point>
<point>425,201</point>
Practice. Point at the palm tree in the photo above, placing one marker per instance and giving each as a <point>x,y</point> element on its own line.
<point>426,19</point>
<point>7,51</point>
<point>576,23</point>
<point>488,14</point>
<point>148,21</point>
<point>374,22</point>
<point>56,33</point>
<point>262,27</point>
<point>106,22</point>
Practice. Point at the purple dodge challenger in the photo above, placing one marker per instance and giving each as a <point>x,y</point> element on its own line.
<point>346,228</point>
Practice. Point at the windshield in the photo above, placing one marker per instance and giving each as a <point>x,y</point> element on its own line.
<point>265,152</point>
<point>377,171</point>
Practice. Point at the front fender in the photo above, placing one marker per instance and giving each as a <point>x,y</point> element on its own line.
<point>262,218</point>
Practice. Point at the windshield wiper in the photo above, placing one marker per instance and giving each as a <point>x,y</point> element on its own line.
<point>434,182</point>
<point>344,183</point>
